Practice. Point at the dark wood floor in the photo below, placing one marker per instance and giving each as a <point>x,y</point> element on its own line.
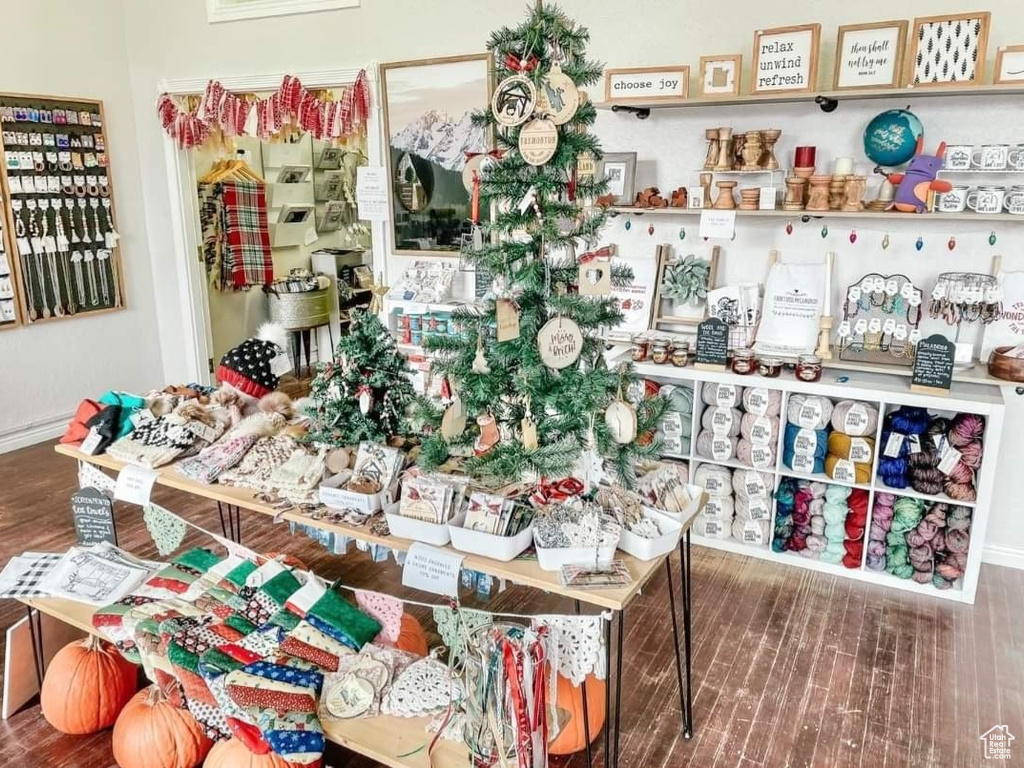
<point>792,668</point>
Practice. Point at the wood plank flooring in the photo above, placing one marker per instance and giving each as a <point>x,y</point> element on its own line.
<point>791,668</point>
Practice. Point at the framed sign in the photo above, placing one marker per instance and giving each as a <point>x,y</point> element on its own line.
<point>646,84</point>
<point>1009,65</point>
<point>870,55</point>
<point>948,50</point>
<point>619,168</point>
<point>720,75</point>
<point>786,59</point>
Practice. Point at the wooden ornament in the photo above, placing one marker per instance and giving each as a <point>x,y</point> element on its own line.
<point>507,319</point>
<point>538,140</point>
<point>595,278</point>
<point>560,342</point>
<point>489,434</point>
<point>337,460</point>
<point>453,423</point>
<point>514,101</point>
<point>621,420</point>
<point>586,165</point>
<point>529,430</point>
<point>557,98</point>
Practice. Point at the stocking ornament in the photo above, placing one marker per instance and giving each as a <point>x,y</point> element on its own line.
<point>489,435</point>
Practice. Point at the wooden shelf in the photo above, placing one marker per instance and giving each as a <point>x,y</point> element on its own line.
<point>966,218</point>
<point>825,97</point>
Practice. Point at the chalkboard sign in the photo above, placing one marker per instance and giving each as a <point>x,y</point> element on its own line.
<point>93,513</point>
<point>712,345</point>
<point>933,364</point>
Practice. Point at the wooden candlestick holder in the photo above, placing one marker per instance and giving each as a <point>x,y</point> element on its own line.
<point>795,187</point>
<point>768,160</point>
<point>854,194</point>
<point>750,198</point>
<point>753,148</point>
<point>705,184</point>
<point>817,197</point>
<point>725,200</point>
<point>724,150</point>
<point>824,350</point>
<point>711,134</point>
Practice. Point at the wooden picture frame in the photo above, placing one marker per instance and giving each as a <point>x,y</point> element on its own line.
<point>647,84</point>
<point>922,72</point>
<point>623,185</point>
<point>1003,62</point>
<point>888,43</point>
<point>659,319</point>
<point>418,93</point>
<point>708,89</point>
<point>788,54</point>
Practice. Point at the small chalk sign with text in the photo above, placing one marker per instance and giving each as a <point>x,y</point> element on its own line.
<point>786,59</point>
<point>93,515</point>
<point>933,365</point>
<point>712,345</point>
<point>646,84</point>
<point>870,55</point>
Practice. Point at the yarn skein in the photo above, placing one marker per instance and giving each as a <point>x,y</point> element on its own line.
<point>722,421</point>
<point>810,411</point>
<point>855,419</point>
<point>760,429</point>
<point>747,452</point>
<point>722,395</point>
<point>707,442</point>
<point>717,481</point>
<point>760,401</point>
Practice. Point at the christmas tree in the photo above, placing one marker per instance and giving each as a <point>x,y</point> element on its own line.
<point>527,372</point>
<point>363,394</point>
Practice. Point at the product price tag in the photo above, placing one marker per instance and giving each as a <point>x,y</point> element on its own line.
<point>806,442</point>
<point>91,442</point>
<point>844,471</point>
<point>893,445</point>
<point>809,415</point>
<point>860,450</point>
<point>761,431</point>
<point>757,401</point>
<point>856,421</point>
<point>134,484</point>
<point>721,449</point>
<point>761,456</point>
<point>203,431</point>
<point>755,486</point>
<point>721,421</point>
<point>915,444</point>
<point>758,509</point>
<point>725,396</point>
<point>752,533</point>
<point>803,463</point>
<point>432,570</point>
<point>949,460</point>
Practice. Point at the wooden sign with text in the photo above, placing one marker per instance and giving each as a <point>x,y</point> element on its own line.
<point>646,84</point>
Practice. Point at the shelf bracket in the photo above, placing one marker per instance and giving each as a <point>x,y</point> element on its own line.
<point>642,113</point>
<point>827,103</point>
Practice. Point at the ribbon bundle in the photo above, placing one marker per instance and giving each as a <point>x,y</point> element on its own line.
<point>290,105</point>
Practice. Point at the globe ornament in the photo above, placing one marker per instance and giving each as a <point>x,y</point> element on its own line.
<point>891,137</point>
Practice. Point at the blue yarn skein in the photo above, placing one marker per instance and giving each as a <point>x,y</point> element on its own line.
<point>820,447</point>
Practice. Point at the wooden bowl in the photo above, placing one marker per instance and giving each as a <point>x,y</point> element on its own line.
<point>1004,367</point>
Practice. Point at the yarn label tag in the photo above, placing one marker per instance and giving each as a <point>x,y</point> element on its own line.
<point>757,401</point>
<point>91,442</point>
<point>949,460</point>
<point>915,444</point>
<point>803,462</point>
<point>810,415</point>
<point>712,527</point>
<point>761,431</point>
<point>757,509</point>
<point>755,486</point>
<point>721,421</point>
<point>721,449</point>
<point>203,431</point>
<point>713,485</point>
<point>725,396</point>
<point>761,456</point>
<point>893,445</point>
<point>856,421</point>
<point>281,364</point>
<point>860,450</point>
<point>752,533</point>
<point>672,424</point>
<point>806,442</point>
<point>713,508</point>
<point>844,471</point>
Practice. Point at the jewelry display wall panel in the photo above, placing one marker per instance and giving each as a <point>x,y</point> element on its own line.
<point>8,296</point>
<point>59,207</point>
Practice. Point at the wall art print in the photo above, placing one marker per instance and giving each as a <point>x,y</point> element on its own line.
<point>949,49</point>
<point>428,107</point>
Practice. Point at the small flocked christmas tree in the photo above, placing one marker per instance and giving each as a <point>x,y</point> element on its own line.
<point>527,373</point>
<point>363,394</point>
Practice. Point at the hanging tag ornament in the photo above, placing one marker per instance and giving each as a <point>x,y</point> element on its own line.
<point>514,101</point>
<point>507,319</point>
<point>453,423</point>
<point>538,140</point>
<point>557,98</point>
<point>560,343</point>
<point>529,430</point>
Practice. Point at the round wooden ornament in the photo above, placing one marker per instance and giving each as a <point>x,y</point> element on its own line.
<point>337,460</point>
<point>560,342</point>
<point>621,420</point>
<point>557,98</point>
<point>477,164</point>
<point>514,101</point>
<point>538,141</point>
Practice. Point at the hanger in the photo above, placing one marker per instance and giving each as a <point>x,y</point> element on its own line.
<point>235,169</point>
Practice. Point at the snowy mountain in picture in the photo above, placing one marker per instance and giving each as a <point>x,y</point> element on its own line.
<point>437,137</point>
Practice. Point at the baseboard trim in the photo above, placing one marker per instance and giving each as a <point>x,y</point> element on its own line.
<point>31,434</point>
<point>997,554</point>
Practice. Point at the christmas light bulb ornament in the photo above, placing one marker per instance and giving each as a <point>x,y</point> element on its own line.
<point>824,232</point>
<point>885,242</point>
<point>789,227</point>
<point>920,243</point>
<point>952,243</point>
<point>682,233</point>
<point>628,225</point>
<point>992,238</point>
<point>853,236</point>
<point>650,230</point>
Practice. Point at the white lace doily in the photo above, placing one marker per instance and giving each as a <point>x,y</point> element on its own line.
<point>575,645</point>
<point>449,626</point>
<point>425,688</point>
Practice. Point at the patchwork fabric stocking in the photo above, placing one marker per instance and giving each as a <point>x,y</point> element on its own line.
<point>336,617</point>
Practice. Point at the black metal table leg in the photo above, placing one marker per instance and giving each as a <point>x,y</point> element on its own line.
<point>238,524</point>
<point>223,524</point>
<point>35,629</point>
<point>685,583</point>
<point>586,710</point>
<point>675,640</point>
<point>607,692</point>
<point>618,686</point>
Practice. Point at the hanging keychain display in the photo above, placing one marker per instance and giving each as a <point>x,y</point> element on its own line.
<point>880,313</point>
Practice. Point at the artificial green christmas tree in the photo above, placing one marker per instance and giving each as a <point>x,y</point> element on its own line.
<point>364,392</point>
<point>527,372</point>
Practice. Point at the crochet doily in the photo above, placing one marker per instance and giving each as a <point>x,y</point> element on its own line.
<point>166,528</point>
<point>425,688</point>
<point>575,645</point>
<point>449,626</point>
<point>385,609</point>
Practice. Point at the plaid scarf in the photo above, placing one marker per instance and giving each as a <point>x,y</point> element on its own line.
<point>247,257</point>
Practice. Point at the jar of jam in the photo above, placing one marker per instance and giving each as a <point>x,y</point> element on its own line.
<point>680,353</point>
<point>641,345</point>
<point>808,367</point>
<point>659,351</point>
<point>744,361</point>
<point>769,367</point>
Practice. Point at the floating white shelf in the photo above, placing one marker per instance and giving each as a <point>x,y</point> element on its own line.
<point>790,215</point>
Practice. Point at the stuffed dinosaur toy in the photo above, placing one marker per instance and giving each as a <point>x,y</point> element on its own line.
<point>914,184</point>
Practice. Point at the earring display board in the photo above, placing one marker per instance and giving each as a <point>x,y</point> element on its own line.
<point>881,315</point>
<point>59,209</point>
<point>8,298</point>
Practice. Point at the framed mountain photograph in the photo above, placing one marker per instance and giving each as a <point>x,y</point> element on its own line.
<point>428,105</point>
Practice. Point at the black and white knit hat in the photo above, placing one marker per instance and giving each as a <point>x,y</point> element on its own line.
<point>250,367</point>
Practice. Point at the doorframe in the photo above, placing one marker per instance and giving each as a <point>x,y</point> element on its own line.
<point>184,204</point>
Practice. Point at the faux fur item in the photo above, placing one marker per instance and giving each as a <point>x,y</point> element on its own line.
<point>277,402</point>
<point>275,334</point>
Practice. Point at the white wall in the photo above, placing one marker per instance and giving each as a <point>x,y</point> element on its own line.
<point>78,49</point>
<point>173,40</point>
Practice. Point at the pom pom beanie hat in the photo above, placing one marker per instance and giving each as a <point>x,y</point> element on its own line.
<point>250,367</point>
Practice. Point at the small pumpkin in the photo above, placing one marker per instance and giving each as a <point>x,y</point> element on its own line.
<point>151,732</point>
<point>569,703</point>
<point>234,754</point>
<point>86,686</point>
<point>412,638</point>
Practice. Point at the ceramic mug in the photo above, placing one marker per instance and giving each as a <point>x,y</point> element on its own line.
<point>958,157</point>
<point>1015,158</point>
<point>986,200</point>
<point>954,201</point>
<point>991,157</point>
<point>1013,202</point>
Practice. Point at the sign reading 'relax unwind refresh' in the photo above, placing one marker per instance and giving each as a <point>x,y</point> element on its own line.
<point>786,59</point>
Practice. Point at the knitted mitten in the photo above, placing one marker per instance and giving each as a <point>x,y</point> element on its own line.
<point>154,442</point>
<point>263,458</point>
<point>298,478</point>
<point>223,455</point>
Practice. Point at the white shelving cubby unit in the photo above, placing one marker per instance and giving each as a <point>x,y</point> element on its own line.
<point>886,392</point>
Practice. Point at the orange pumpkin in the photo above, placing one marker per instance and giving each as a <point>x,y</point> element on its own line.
<point>86,686</point>
<point>234,754</point>
<point>570,710</point>
<point>151,732</point>
<point>412,638</point>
